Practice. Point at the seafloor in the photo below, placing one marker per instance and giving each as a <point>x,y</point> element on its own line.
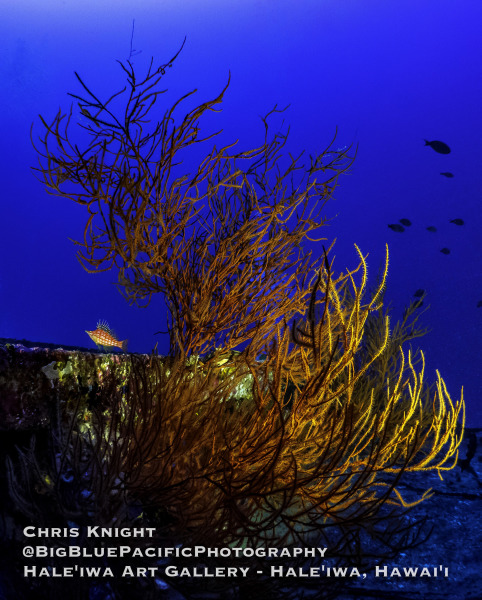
<point>455,511</point>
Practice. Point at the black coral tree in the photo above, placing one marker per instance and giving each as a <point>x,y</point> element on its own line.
<point>297,425</point>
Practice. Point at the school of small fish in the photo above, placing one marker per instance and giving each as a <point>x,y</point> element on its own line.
<point>441,148</point>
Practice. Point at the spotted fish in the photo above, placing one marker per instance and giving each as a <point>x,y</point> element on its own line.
<point>104,336</point>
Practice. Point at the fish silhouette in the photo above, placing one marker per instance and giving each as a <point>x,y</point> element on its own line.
<point>447,174</point>
<point>439,147</point>
<point>457,221</point>
<point>406,222</point>
<point>396,227</point>
<point>445,251</point>
<point>431,228</point>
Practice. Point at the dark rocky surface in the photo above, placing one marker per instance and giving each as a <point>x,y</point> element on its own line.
<point>33,377</point>
<point>50,345</point>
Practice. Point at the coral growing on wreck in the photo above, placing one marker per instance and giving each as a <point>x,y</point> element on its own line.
<point>176,450</point>
<point>307,444</point>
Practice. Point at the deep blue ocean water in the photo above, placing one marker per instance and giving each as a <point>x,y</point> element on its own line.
<point>387,75</point>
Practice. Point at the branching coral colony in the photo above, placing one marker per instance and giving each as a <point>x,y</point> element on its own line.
<point>308,443</point>
<point>229,271</point>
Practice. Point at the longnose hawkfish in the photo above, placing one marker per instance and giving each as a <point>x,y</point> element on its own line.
<point>104,337</point>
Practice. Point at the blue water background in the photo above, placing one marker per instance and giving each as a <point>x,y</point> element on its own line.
<point>387,74</point>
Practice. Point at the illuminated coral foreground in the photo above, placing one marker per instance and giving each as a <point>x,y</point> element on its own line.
<point>236,449</point>
<point>309,441</point>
